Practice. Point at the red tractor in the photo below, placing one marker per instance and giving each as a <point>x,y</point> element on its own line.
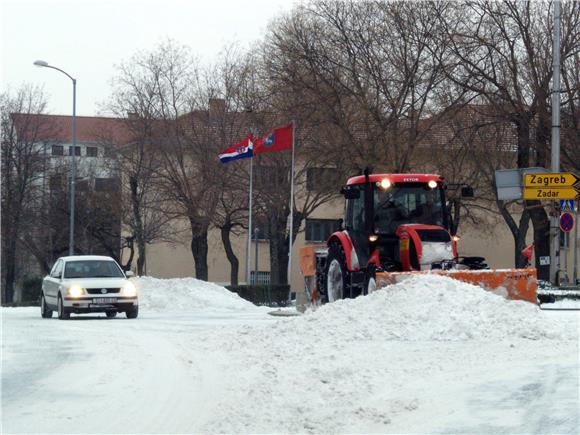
<point>397,224</point>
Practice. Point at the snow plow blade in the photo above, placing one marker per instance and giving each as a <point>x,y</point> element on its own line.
<point>516,284</point>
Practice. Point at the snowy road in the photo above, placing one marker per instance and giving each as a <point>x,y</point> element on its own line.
<point>212,369</point>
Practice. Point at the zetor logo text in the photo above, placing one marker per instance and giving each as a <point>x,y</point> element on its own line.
<point>547,180</point>
<point>410,179</point>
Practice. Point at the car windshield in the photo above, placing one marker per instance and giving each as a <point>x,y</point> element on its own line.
<point>407,205</point>
<point>92,269</point>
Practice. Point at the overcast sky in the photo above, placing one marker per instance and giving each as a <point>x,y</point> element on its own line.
<point>87,38</point>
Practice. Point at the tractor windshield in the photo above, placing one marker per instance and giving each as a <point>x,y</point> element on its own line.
<point>409,204</point>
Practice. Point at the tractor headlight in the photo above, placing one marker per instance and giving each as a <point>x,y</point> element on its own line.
<point>129,289</point>
<point>373,238</point>
<point>76,291</point>
<point>456,238</point>
<point>432,184</point>
<point>385,183</point>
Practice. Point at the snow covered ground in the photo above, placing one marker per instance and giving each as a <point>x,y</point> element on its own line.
<point>428,355</point>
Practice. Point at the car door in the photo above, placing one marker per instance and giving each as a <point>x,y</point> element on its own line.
<point>53,283</point>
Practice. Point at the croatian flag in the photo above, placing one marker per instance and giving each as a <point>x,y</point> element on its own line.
<point>241,150</point>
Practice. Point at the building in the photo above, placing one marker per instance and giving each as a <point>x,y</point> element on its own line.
<point>100,179</point>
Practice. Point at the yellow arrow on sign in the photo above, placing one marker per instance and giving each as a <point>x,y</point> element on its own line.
<point>564,179</point>
<point>546,193</point>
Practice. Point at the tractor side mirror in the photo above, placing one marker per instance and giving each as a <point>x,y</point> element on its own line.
<point>350,193</point>
<point>467,192</point>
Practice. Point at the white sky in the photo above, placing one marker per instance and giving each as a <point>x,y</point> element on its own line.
<point>87,38</point>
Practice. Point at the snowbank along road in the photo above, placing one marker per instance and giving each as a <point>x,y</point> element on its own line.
<point>428,355</point>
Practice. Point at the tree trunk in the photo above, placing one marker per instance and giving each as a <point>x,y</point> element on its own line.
<point>131,246</point>
<point>278,258</point>
<point>138,229</point>
<point>9,266</point>
<point>520,261</point>
<point>142,258</point>
<point>541,224</point>
<point>199,248</point>
<point>277,222</point>
<point>518,230</point>
<point>234,262</point>
<point>9,251</point>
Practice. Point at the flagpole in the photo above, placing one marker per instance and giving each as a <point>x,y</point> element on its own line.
<point>249,248</point>
<point>291,213</point>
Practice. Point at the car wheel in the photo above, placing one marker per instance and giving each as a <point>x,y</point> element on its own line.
<point>63,312</point>
<point>336,274</point>
<point>111,314</point>
<point>45,312</point>
<point>133,312</point>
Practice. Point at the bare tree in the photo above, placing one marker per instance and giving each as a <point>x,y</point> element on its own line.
<point>22,173</point>
<point>366,70</point>
<point>501,53</point>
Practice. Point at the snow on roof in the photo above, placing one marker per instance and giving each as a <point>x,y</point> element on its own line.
<point>86,257</point>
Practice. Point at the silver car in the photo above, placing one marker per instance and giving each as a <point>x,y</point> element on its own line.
<point>88,284</point>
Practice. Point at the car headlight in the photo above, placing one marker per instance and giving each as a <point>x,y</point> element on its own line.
<point>76,291</point>
<point>129,289</point>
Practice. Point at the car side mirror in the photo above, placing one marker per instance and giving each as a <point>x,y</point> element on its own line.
<point>467,192</point>
<point>129,274</point>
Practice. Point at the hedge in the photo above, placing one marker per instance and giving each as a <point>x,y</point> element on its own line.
<point>272,295</point>
<point>31,290</point>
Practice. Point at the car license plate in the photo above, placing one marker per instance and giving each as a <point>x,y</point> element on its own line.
<point>104,301</point>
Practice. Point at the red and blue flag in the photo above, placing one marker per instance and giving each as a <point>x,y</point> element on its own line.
<point>241,150</point>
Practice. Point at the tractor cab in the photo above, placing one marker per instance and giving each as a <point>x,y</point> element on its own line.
<point>392,223</point>
<point>386,214</point>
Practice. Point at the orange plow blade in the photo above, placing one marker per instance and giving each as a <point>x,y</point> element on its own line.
<point>517,284</point>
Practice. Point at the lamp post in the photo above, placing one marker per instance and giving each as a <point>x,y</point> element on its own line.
<point>71,249</point>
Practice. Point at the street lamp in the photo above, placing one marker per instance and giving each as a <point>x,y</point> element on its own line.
<point>44,64</point>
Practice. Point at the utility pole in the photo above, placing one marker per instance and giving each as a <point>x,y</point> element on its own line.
<point>554,221</point>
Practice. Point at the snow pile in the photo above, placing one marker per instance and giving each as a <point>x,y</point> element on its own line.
<point>395,361</point>
<point>427,307</point>
<point>432,307</point>
<point>187,294</point>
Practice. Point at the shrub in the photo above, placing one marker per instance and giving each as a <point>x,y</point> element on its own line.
<point>271,295</point>
<point>31,289</point>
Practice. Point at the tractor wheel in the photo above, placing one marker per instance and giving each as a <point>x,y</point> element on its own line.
<point>370,280</point>
<point>336,274</point>
<point>371,285</point>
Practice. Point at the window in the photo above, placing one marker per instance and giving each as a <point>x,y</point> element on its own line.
<point>355,211</point>
<point>82,185</point>
<point>92,269</point>
<point>259,278</point>
<point>77,151</point>
<point>406,204</point>
<point>109,152</point>
<point>269,177</point>
<point>92,152</point>
<point>319,230</point>
<point>260,229</point>
<point>56,182</point>
<point>57,270</point>
<point>106,184</point>
<point>57,150</point>
<point>322,179</point>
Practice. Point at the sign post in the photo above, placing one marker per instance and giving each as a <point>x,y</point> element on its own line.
<point>552,186</point>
